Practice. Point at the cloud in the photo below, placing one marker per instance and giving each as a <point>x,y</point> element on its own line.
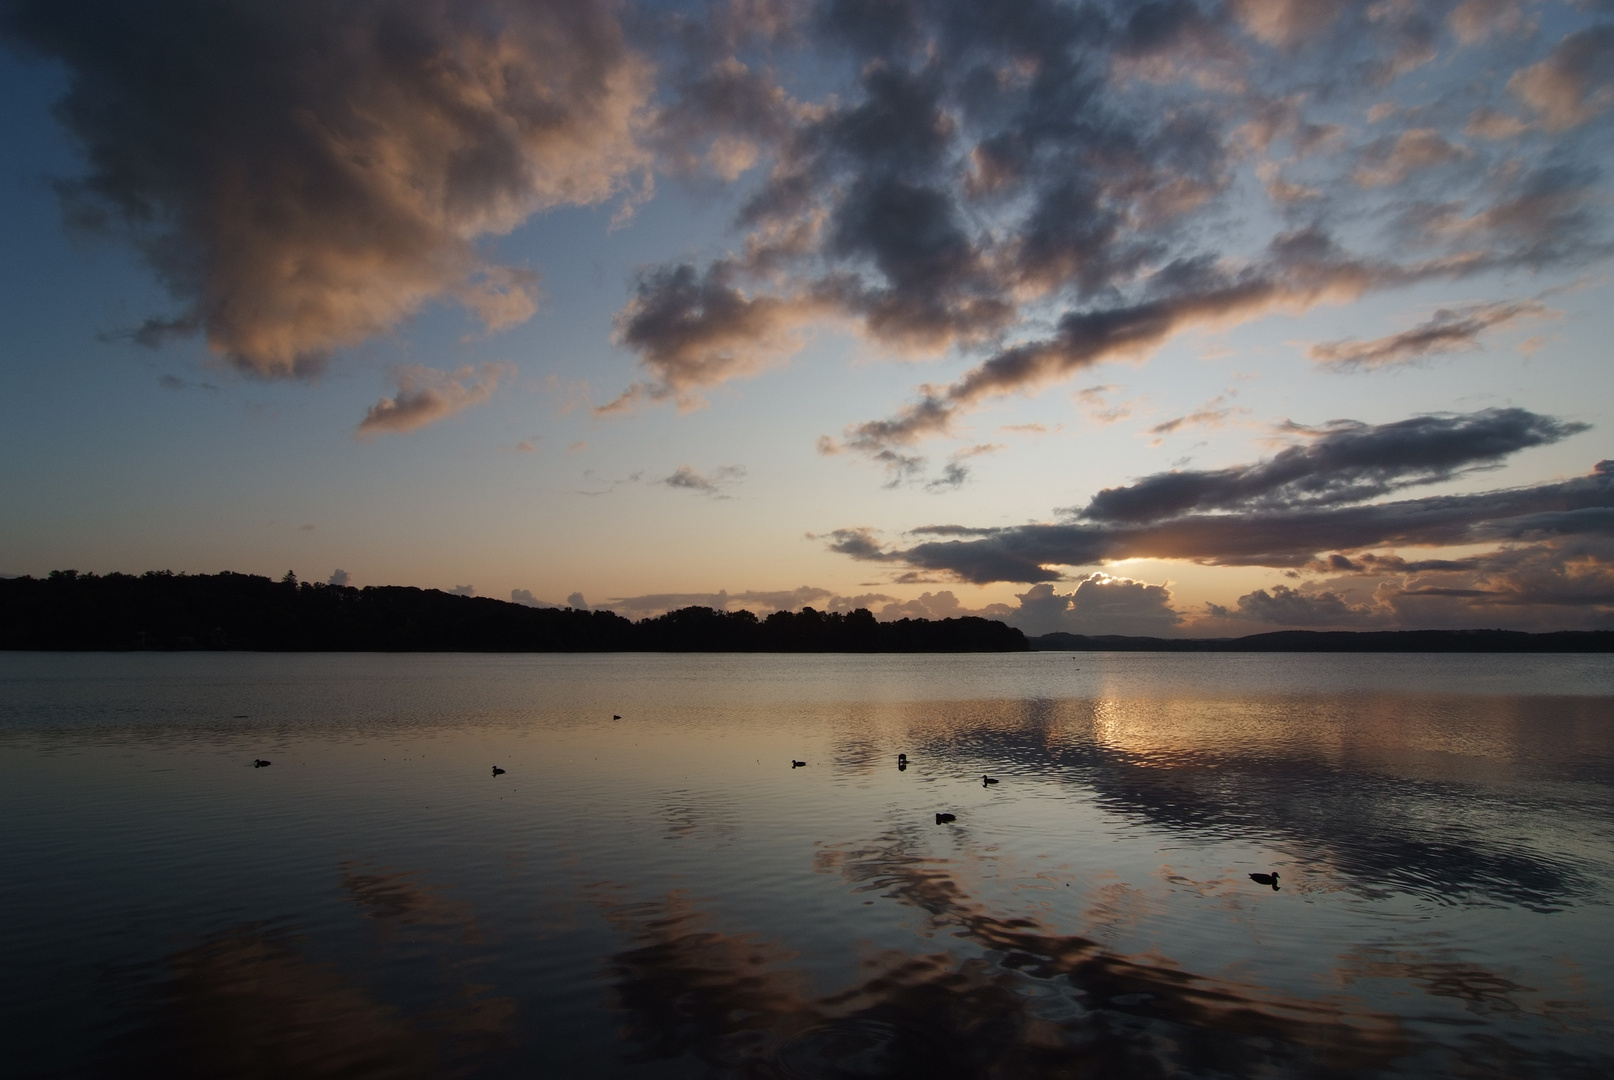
<point>1487,123</point>
<point>1214,413</point>
<point>340,578</point>
<point>1475,20</point>
<point>1346,461</point>
<point>1390,161</point>
<point>462,590</point>
<point>697,330</point>
<point>1284,606</point>
<point>1575,82</point>
<point>955,473</point>
<point>1283,512</point>
<point>1285,22</point>
<point>1448,330</point>
<point>1100,604</point>
<point>576,601</point>
<point>1096,404</point>
<point>525,598</point>
<point>303,177</point>
<point>426,395</point>
<point>686,478</point>
<point>1065,186</point>
<point>1306,268</point>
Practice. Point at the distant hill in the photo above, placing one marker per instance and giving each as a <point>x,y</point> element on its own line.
<point>1431,641</point>
<point>160,610</point>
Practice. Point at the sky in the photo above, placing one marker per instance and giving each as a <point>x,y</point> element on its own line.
<point>1180,318</point>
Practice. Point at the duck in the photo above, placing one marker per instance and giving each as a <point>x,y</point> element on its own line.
<point>985,780</point>
<point>1266,879</point>
<point>794,764</point>
<point>943,819</point>
<point>615,716</point>
<point>497,771</point>
<point>901,758</point>
<point>260,763</point>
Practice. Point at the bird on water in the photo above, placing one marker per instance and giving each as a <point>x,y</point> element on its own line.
<point>1266,879</point>
<point>497,771</point>
<point>259,763</point>
<point>985,780</point>
<point>794,764</point>
<point>942,819</point>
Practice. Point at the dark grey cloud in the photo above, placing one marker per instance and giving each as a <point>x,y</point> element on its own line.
<point>1289,511</point>
<point>1285,606</point>
<point>1100,604</point>
<point>1343,462</point>
<point>1276,538</point>
<point>714,483</point>
<point>305,175</point>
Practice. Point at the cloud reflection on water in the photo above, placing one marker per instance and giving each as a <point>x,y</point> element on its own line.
<point>1359,786</point>
<point>1013,999</point>
<point>252,1002</point>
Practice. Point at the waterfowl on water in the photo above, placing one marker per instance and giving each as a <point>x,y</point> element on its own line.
<point>943,819</point>
<point>1266,879</point>
<point>902,758</point>
<point>259,763</point>
<point>614,716</point>
<point>497,771</point>
<point>985,780</point>
<point>794,764</point>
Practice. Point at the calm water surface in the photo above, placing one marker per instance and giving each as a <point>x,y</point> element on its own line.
<point>665,896</point>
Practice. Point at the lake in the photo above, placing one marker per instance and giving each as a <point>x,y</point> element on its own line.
<point>666,895</point>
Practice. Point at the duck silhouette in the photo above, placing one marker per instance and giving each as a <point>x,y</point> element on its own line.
<point>260,763</point>
<point>985,780</point>
<point>614,716</point>
<point>943,819</point>
<point>902,759</point>
<point>497,771</point>
<point>1266,879</point>
<point>794,764</point>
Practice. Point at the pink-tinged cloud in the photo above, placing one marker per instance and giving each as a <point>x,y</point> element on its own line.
<point>426,395</point>
<point>1448,330</point>
<point>306,175</point>
<point>1575,82</point>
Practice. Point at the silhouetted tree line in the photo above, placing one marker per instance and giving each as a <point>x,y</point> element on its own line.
<point>163,610</point>
<point>1432,641</point>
